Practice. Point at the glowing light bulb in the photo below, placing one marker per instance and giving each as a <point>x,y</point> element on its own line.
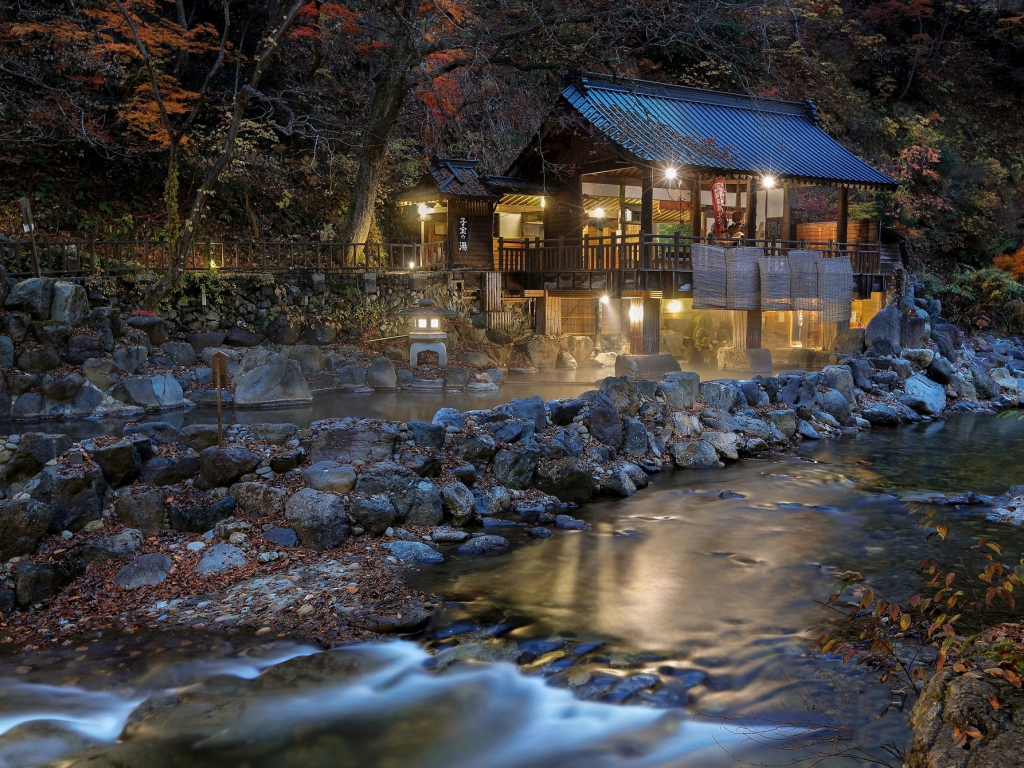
<point>412,265</point>
<point>675,306</point>
<point>605,299</point>
<point>423,210</point>
<point>670,173</point>
<point>543,200</point>
<point>767,182</point>
<point>636,313</point>
<point>213,264</point>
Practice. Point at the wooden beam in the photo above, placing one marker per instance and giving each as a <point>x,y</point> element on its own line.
<point>842,214</point>
<point>647,200</point>
<point>753,329</point>
<point>651,326</point>
<point>788,232</point>
<point>750,225</point>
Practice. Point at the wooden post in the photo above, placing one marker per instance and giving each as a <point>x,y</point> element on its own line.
<point>651,325</point>
<point>842,215</point>
<point>787,213</point>
<point>750,226</point>
<point>647,200</point>
<point>219,364</point>
<point>634,315</point>
<point>753,329</point>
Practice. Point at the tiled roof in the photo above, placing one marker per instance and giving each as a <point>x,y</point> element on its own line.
<point>675,125</point>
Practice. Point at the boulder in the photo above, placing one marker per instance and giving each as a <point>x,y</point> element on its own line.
<point>381,374</point>
<point>6,352</point>
<point>580,347</point>
<point>220,558</point>
<point>159,432</point>
<point>835,404</point>
<point>82,348</point>
<point>602,419</point>
<point>146,571</point>
<point>449,417</point>
<point>738,359</point>
<point>102,373</point>
<point>427,506</point>
<point>278,383</point>
<point>15,325</point>
<point>38,582</point>
<point>493,501</point>
<point>374,513</point>
<point>29,406</point>
<point>243,337</point>
<point>200,518</point>
<point>284,330</point>
<point>132,360</point>
<point>543,351</point>
<point>158,392</point>
<point>919,358</point>
<point>34,296</point>
<point>351,376</point>
<point>798,391</point>
<point>726,444</point>
<point>515,469</point>
<point>645,366</point>
<point>563,411</point>
<point>940,371</point>
<point>154,327</point>
<point>198,437</point>
<point>38,359</point>
<point>880,415</point>
<point>330,477</point>
<point>53,335</point>
<point>618,483</point>
<point>414,551</point>
<point>807,431</point>
<point>394,481</point>
<point>948,338</point>
<point>840,377</point>
<point>120,461</point>
<point>623,394</point>
<point>850,342</point>
<point>456,378</point>
<point>483,545</point>
<point>180,352</point>
<point>719,394</point>
<point>258,498</point>
<point>70,304</point>
<point>143,508</point>
<point>76,497</point>
<point>223,466</point>
<point>698,455</point>
<point>478,451</point>
<point>281,537</point>
<point>634,440</point>
<point>984,385</point>
<point>427,435</point>
<point>924,396</point>
<point>126,543</point>
<point>309,357</point>
<point>23,524</point>
<point>884,333</point>
<point>204,340</point>
<point>458,502</point>
<point>567,479</point>
<point>319,518</point>
<point>784,420</point>
<point>319,333</point>
<point>349,440</point>
<point>31,455</point>
<point>567,361</point>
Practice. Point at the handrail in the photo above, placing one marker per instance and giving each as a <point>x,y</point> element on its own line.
<point>85,257</point>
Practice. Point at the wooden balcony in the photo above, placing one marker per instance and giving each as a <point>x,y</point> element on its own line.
<point>661,253</point>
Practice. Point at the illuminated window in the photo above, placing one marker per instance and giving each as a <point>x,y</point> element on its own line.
<point>421,323</point>
<point>435,323</point>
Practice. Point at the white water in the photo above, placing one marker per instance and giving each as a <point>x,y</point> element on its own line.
<point>368,705</point>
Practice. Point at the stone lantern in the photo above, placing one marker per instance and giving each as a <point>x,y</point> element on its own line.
<point>425,334</point>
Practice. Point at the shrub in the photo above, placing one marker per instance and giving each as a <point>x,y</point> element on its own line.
<point>983,299</point>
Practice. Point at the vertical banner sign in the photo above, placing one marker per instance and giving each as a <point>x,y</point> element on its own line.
<point>718,206</point>
<point>463,234</point>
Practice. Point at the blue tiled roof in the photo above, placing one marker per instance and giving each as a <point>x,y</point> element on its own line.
<point>675,125</point>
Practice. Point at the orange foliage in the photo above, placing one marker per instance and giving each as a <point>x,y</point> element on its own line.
<point>1012,263</point>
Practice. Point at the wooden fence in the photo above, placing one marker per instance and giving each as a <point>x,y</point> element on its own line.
<point>656,252</point>
<point>84,257</point>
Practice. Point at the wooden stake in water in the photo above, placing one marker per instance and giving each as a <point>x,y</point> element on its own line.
<point>219,364</point>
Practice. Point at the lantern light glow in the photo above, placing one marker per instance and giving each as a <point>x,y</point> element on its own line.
<point>599,213</point>
<point>768,182</point>
<point>636,313</point>
<point>670,173</point>
<point>675,306</point>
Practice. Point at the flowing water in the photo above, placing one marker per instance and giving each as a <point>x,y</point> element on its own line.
<point>677,606</point>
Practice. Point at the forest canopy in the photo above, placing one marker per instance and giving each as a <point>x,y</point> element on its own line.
<point>149,118</point>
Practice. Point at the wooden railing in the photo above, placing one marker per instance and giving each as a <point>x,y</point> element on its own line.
<point>84,257</point>
<point>655,252</point>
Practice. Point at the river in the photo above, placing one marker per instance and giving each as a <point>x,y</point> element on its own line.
<point>689,601</point>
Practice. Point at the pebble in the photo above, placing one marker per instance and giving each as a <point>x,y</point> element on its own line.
<point>264,471</point>
<point>267,557</point>
<point>195,546</point>
<point>448,534</point>
<point>67,535</point>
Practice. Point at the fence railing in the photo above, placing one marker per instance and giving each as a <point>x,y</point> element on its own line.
<point>656,252</point>
<point>84,257</point>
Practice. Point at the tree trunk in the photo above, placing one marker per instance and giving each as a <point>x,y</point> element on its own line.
<point>382,115</point>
